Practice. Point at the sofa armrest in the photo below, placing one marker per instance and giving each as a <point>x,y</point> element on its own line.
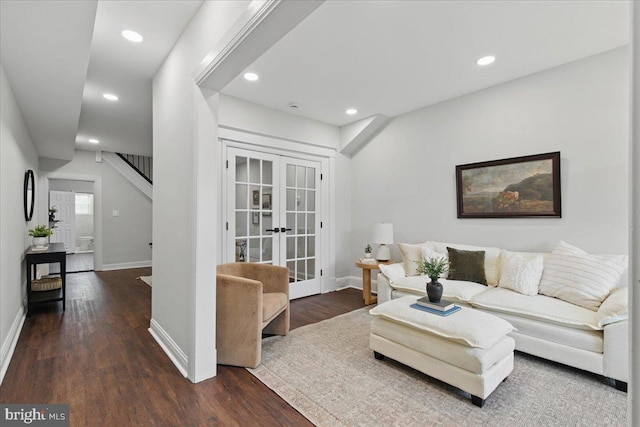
<point>615,308</point>
<point>616,351</point>
<point>383,288</point>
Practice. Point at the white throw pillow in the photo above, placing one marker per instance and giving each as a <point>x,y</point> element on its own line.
<point>520,274</point>
<point>392,271</point>
<point>579,278</point>
<point>428,253</point>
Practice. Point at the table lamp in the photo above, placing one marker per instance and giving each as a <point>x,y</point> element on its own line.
<point>383,235</point>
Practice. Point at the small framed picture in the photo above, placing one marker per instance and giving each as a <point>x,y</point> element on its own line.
<point>255,197</point>
<point>255,218</point>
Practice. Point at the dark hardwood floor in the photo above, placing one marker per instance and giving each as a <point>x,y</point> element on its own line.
<point>100,359</point>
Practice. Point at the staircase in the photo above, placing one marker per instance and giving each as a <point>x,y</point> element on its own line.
<point>141,164</point>
<point>137,169</point>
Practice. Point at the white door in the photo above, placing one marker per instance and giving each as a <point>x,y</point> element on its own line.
<point>65,229</point>
<point>272,215</point>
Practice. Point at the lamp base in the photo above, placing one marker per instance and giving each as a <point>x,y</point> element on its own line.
<point>383,253</point>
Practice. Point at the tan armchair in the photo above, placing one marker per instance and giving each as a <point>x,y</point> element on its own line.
<point>251,299</point>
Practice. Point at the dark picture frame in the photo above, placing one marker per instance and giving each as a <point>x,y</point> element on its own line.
<point>526,186</point>
<point>255,197</point>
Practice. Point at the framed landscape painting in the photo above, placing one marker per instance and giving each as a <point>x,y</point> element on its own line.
<point>527,186</point>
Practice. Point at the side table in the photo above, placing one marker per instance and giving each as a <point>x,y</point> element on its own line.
<point>366,279</point>
<point>54,253</point>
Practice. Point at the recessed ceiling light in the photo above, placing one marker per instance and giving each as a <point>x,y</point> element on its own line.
<point>94,141</point>
<point>486,60</point>
<point>110,96</point>
<point>252,77</point>
<point>132,36</point>
<point>351,111</point>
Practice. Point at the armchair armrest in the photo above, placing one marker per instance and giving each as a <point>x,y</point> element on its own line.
<point>615,308</point>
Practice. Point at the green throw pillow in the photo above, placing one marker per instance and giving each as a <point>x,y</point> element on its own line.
<point>466,265</point>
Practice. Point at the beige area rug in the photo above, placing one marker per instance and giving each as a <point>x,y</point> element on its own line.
<point>146,279</point>
<point>328,373</point>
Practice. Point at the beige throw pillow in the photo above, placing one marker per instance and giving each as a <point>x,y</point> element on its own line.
<point>410,254</point>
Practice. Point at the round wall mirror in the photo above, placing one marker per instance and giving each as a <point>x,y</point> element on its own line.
<point>29,194</point>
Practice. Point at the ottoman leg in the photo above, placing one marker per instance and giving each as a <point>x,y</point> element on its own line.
<point>505,379</point>
<point>477,401</point>
<point>378,356</point>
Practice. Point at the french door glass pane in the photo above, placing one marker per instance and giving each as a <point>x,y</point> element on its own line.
<point>300,205</point>
<point>254,209</point>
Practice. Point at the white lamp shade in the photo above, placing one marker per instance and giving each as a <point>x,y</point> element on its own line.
<point>383,233</point>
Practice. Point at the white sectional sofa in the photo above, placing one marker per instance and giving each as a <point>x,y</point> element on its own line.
<point>594,339</point>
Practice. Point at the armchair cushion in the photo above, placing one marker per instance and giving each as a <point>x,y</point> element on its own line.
<point>273,303</point>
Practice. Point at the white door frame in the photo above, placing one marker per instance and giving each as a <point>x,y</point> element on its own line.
<point>43,215</point>
<point>265,144</point>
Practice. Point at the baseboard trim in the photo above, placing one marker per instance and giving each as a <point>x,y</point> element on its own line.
<point>355,283</point>
<point>126,265</point>
<point>9,344</point>
<point>169,346</point>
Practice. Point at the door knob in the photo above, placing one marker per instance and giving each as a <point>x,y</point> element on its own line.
<point>282,229</point>
<point>275,230</point>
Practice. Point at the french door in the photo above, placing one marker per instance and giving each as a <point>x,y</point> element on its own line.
<point>273,215</point>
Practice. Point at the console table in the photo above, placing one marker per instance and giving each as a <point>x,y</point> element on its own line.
<point>54,253</point>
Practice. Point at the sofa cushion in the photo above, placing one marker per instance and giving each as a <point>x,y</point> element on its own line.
<point>588,340</point>
<point>537,307</point>
<point>491,255</point>
<point>615,308</point>
<point>519,273</point>
<point>579,278</point>
<point>466,265</point>
<point>455,290</point>
<point>468,326</point>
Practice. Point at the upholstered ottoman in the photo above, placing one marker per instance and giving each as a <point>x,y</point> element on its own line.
<point>468,349</point>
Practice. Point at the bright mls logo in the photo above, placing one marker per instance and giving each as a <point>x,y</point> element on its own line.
<point>37,415</point>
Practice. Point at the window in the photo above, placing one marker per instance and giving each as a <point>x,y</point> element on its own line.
<point>84,204</point>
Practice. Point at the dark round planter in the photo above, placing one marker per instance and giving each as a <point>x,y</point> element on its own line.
<point>434,290</point>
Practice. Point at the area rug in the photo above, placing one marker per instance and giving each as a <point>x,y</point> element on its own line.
<point>328,373</point>
<point>145,279</point>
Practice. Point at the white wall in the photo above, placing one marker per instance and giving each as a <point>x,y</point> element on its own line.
<point>239,114</point>
<point>68,185</point>
<point>185,181</point>
<point>406,174</point>
<point>125,238</point>
<point>17,154</point>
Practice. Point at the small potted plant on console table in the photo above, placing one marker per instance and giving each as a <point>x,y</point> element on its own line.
<point>40,236</point>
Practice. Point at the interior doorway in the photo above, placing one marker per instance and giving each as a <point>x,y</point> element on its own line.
<point>71,218</point>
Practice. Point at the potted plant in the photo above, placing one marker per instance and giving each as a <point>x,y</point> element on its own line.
<point>433,268</point>
<point>40,236</point>
<point>367,251</point>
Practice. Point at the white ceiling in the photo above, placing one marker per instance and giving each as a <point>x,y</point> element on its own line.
<point>385,57</point>
<point>59,64</point>
<point>126,69</point>
<point>45,60</point>
<point>393,57</point>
